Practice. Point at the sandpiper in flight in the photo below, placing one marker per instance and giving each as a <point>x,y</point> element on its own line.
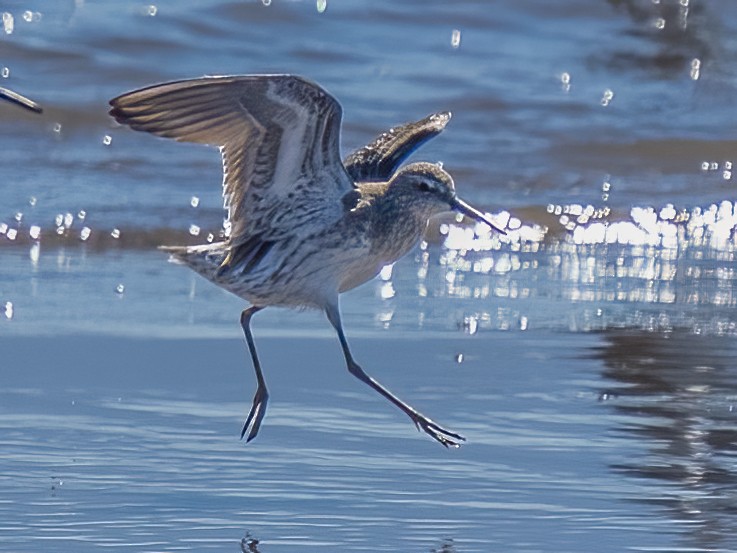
<point>303,226</point>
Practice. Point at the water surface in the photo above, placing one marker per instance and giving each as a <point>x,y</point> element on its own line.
<point>588,356</point>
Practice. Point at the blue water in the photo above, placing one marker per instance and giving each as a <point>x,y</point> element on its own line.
<point>587,356</point>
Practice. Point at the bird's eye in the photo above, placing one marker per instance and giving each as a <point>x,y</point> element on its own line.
<point>423,186</point>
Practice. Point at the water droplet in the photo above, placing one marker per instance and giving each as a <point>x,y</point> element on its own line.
<point>9,311</point>
<point>82,214</point>
<point>322,5</point>
<point>107,140</point>
<point>523,323</point>
<point>459,358</point>
<point>5,72</point>
<point>152,10</point>
<point>695,69</point>
<point>3,228</point>
<point>57,128</point>
<point>210,237</point>
<point>120,288</point>
<point>607,97</point>
<point>727,175</point>
<point>605,187</point>
<point>12,234</point>
<point>194,201</point>
<point>84,234</point>
<point>8,23</point>
<point>32,201</point>
<point>34,232</point>
<point>115,233</point>
<point>659,23</point>
<point>565,80</point>
<point>68,220</point>
<point>455,38</point>
<point>18,216</point>
<point>194,230</point>
<point>28,16</point>
<point>266,2</point>
<point>60,230</point>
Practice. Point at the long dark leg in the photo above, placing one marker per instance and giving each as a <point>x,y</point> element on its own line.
<point>445,437</point>
<point>258,409</point>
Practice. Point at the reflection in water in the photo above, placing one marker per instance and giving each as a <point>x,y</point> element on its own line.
<point>657,269</point>
<point>249,544</point>
<point>573,267</point>
<point>676,393</point>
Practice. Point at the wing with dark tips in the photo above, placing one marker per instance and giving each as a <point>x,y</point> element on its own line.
<point>279,138</point>
<point>379,160</point>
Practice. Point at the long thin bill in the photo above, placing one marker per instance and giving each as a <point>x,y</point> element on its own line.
<point>19,100</point>
<point>469,211</point>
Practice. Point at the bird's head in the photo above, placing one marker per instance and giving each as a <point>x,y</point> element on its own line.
<point>430,189</point>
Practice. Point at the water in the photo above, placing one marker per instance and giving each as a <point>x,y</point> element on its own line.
<point>587,356</point>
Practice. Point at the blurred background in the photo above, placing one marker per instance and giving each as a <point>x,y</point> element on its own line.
<point>588,355</point>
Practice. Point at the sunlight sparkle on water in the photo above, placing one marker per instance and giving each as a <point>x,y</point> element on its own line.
<point>8,23</point>
<point>607,97</point>
<point>649,256</point>
<point>695,69</point>
<point>455,38</point>
<point>565,80</point>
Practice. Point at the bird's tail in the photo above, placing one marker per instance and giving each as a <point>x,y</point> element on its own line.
<point>204,259</point>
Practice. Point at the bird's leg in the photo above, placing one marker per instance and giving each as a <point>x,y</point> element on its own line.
<point>258,409</point>
<point>445,437</point>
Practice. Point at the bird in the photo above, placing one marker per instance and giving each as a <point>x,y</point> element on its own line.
<point>303,226</point>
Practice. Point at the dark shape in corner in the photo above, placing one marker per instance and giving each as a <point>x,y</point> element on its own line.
<point>19,100</point>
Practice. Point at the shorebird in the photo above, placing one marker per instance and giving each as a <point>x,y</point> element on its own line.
<point>303,226</point>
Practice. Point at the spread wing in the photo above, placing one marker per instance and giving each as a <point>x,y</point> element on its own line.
<point>378,160</point>
<point>279,138</point>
